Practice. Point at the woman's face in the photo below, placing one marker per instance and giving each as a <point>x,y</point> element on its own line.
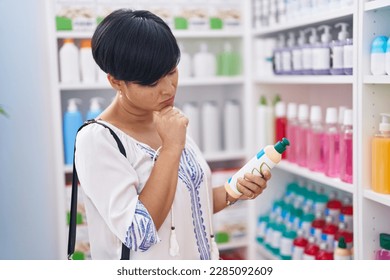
<point>152,97</point>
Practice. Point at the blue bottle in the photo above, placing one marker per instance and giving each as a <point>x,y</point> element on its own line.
<point>72,121</point>
<point>94,109</point>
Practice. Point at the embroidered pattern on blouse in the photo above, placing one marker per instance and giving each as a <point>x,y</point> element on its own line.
<point>192,175</point>
<point>148,150</point>
<point>142,233</point>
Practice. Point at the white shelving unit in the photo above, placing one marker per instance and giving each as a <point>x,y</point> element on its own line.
<point>367,95</point>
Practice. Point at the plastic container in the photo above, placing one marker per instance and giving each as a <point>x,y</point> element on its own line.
<point>380,163</point>
<point>324,253</point>
<point>337,49</point>
<point>333,207</point>
<point>211,124</point>
<point>287,55</point>
<point>344,232</point>
<point>232,125</point>
<point>307,52</point>
<point>261,228</point>
<point>262,122</point>
<point>291,126</point>
<point>346,148</point>
<point>331,144</point>
<point>315,141</point>
<point>346,213</point>
<point>384,252</point>
<point>228,61</point>
<point>321,52</point>
<point>348,56</point>
<point>87,63</point>
<point>299,245</point>
<point>311,249</point>
<point>329,232</point>
<point>266,159</point>
<point>185,64</point>
<point>95,109</point>
<point>72,121</point>
<point>296,51</point>
<point>278,62</point>
<point>191,110</point>
<point>378,55</point>
<point>280,121</point>
<point>342,252</point>
<point>302,130</point>
<point>204,63</point>
<point>317,225</point>
<point>286,243</point>
<point>69,62</point>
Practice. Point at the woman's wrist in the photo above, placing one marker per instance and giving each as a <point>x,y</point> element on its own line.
<point>229,200</point>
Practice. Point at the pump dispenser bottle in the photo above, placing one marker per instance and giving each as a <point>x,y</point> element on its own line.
<point>280,46</point>
<point>69,62</point>
<point>266,159</point>
<point>297,66</point>
<point>321,52</point>
<point>95,109</point>
<point>337,49</point>
<point>381,157</point>
<point>287,55</point>
<point>72,121</point>
<point>307,52</point>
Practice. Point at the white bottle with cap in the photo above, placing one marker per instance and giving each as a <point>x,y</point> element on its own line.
<point>337,49</point>
<point>287,55</point>
<point>378,55</point>
<point>184,65</point>
<point>87,63</point>
<point>69,62</point>
<point>211,124</point>
<point>307,52</point>
<point>94,109</point>
<point>191,110</point>
<point>232,128</point>
<point>297,55</point>
<point>204,63</point>
<point>315,140</point>
<point>280,46</point>
<point>321,52</point>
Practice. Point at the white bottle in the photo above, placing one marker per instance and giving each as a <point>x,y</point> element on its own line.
<point>204,63</point>
<point>297,54</point>
<point>211,124</point>
<point>266,159</point>
<point>378,53</point>
<point>185,63</point>
<point>87,63</point>
<point>287,56</point>
<point>387,56</point>
<point>262,121</point>
<point>278,62</point>
<point>348,56</point>
<point>69,62</point>
<point>337,49</point>
<point>307,53</point>
<point>321,53</point>
<point>191,110</point>
<point>232,126</point>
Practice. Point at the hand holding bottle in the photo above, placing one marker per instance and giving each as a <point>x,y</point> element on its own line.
<point>252,185</point>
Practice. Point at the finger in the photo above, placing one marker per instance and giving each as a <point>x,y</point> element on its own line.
<point>267,175</point>
<point>257,179</point>
<point>245,191</point>
<point>253,187</point>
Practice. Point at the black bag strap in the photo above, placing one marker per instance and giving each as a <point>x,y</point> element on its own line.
<point>125,255</point>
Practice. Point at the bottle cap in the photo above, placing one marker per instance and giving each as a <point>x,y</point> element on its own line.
<point>291,110</point>
<point>280,147</point>
<point>326,37</point>
<point>348,119</point>
<point>263,100</point>
<point>72,104</point>
<point>68,40</point>
<point>303,112</point>
<point>384,126</point>
<point>95,103</point>
<point>384,241</point>
<point>85,43</point>
<point>341,243</point>
<point>341,114</point>
<point>280,109</point>
<point>331,115</point>
<point>379,44</point>
<point>227,47</point>
<point>315,114</point>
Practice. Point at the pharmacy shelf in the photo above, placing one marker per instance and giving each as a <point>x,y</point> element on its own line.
<point>242,242</point>
<point>377,4</point>
<point>369,79</point>
<point>302,79</point>
<point>180,34</point>
<point>377,197</point>
<point>326,16</point>
<point>315,176</point>
<point>224,156</point>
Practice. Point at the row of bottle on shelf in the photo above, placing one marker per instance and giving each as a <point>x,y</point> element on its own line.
<point>306,56</point>
<point>307,223</point>
<point>178,14</point>
<point>380,56</point>
<point>268,13</point>
<point>77,63</point>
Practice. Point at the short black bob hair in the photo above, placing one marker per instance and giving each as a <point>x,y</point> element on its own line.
<point>135,46</point>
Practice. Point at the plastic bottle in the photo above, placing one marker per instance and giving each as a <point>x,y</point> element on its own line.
<point>321,52</point>
<point>291,126</point>
<point>211,136</point>
<point>280,46</point>
<point>266,159</point>
<point>307,53</point>
<point>384,252</point>
<point>378,55</point>
<point>333,207</point>
<point>331,143</point>
<point>286,243</point>
<point>306,221</point>
<point>261,228</point>
<point>72,121</point>
<point>311,249</point>
<point>279,229</point>
<point>87,63</point>
<point>315,141</point>
<point>299,245</point>
<point>321,199</point>
<point>346,213</point>
<point>262,122</point>
<point>337,49</point>
<point>380,163</point>
<point>329,232</point>
<point>317,225</point>
<point>280,121</point>
<point>185,65</point>
<point>228,61</point>
<point>348,56</point>
<point>191,110</point>
<point>287,55</point>
<point>342,252</point>
<point>204,63</point>
<point>387,56</point>
<point>296,51</point>
<point>231,124</point>
<point>344,232</point>
<point>94,108</point>
<point>324,253</point>
<point>346,151</point>
<point>302,130</point>
<point>69,62</point>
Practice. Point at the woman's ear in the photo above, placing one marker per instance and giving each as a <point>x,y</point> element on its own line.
<point>115,83</point>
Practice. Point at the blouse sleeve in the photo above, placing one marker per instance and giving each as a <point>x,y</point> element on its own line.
<point>109,180</point>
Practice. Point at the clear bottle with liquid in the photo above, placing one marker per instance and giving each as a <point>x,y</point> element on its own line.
<point>331,143</point>
<point>315,141</point>
<point>346,148</point>
<point>302,130</point>
<point>291,126</point>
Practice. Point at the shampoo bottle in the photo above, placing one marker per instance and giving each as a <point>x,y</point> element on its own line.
<point>184,65</point>
<point>296,54</point>
<point>378,55</point>
<point>87,63</point>
<point>337,49</point>
<point>266,159</point>
<point>278,62</point>
<point>302,130</point>
<point>94,109</point>
<point>191,110</point>
<point>307,53</point>
<point>331,143</point>
<point>381,157</point>
<point>228,61</point>
<point>72,121</point>
<point>69,62</point>
<point>204,63</point>
<point>211,123</point>
<point>348,56</point>
<point>232,124</point>
<point>346,151</point>
<point>287,55</point>
<point>262,122</point>
<point>321,52</point>
<point>291,126</point>
<point>315,141</point>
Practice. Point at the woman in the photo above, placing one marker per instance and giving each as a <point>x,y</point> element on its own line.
<point>157,200</point>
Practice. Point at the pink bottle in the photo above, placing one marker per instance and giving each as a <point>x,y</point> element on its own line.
<point>346,151</point>
<point>301,131</point>
<point>315,141</point>
<point>384,252</point>
<point>332,144</point>
<point>291,126</point>
<point>280,121</point>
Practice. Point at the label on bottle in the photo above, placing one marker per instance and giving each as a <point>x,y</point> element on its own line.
<point>322,58</point>
<point>297,59</point>
<point>348,56</point>
<point>337,57</point>
<point>297,253</point>
<point>286,246</point>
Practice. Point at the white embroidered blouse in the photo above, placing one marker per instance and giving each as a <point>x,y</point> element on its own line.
<point>111,184</point>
